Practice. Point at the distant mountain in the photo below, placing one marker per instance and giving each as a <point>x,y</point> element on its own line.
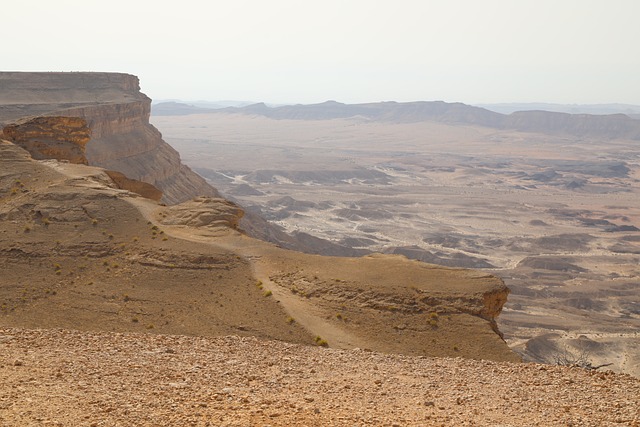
<point>407,112</point>
<point>508,108</point>
<point>172,108</point>
<point>176,107</point>
<point>582,125</point>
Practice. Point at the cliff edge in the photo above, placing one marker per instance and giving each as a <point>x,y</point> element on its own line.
<point>117,115</point>
<point>78,252</point>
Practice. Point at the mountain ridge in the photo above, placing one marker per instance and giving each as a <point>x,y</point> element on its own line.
<point>537,121</point>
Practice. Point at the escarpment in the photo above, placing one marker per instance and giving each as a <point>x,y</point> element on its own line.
<point>117,115</point>
<point>78,252</point>
<point>97,256</point>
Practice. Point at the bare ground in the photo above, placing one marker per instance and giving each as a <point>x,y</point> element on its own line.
<point>63,377</point>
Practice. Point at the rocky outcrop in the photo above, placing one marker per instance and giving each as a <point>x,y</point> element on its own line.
<point>62,138</point>
<point>206,212</point>
<point>117,114</point>
<point>139,187</point>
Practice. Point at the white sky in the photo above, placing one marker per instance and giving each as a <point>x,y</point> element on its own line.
<point>473,51</point>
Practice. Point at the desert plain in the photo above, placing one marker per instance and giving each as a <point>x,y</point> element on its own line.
<point>555,215</point>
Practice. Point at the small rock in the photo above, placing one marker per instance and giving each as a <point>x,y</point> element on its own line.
<point>18,363</point>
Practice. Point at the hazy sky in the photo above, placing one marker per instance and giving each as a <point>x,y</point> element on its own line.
<point>473,51</point>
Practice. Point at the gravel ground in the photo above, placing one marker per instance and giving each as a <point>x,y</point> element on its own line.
<point>70,378</point>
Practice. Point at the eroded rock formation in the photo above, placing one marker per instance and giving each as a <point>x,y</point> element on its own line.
<point>117,114</point>
<point>62,138</point>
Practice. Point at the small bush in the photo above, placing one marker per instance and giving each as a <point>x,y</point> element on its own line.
<point>268,293</point>
<point>321,342</point>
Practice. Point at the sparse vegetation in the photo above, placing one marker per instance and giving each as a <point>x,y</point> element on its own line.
<point>321,342</point>
<point>268,293</point>
<point>579,359</point>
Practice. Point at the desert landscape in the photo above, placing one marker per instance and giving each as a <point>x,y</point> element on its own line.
<point>553,211</point>
<point>132,293</point>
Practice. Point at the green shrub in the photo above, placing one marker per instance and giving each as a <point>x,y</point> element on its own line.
<point>321,342</point>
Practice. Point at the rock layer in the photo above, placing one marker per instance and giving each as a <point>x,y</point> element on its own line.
<point>62,138</point>
<point>117,114</point>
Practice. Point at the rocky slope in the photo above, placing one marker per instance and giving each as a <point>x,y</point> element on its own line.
<point>60,377</point>
<point>117,114</point>
<point>102,119</point>
<point>79,252</point>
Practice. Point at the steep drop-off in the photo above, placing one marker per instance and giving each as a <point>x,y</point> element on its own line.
<point>117,114</point>
<point>78,252</point>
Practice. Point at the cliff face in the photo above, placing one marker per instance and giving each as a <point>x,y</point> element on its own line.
<point>117,114</point>
<point>62,138</point>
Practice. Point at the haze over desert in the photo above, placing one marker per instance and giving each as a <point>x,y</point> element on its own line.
<point>287,213</point>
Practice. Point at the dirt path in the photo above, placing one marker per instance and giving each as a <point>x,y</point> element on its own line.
<point>261,257</point>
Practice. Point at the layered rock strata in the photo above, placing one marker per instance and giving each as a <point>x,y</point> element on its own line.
<point>62,138</point>
<point>117,115</point>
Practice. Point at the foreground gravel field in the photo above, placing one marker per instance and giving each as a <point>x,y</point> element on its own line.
<point>69,378</point>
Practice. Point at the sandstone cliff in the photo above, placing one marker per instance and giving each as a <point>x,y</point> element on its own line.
<point>117,114</point>
<point>62,138</point>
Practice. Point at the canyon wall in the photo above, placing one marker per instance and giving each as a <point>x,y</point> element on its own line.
<point>117,114</point>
